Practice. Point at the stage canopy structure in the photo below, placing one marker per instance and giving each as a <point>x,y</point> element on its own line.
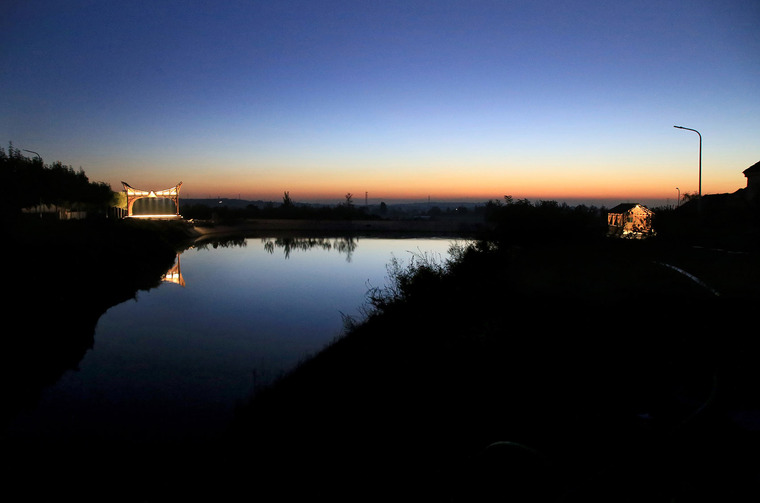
<point>135,194</point>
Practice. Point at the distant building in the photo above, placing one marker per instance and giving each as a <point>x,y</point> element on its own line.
<point>753,180</point>
<point>630,220</point>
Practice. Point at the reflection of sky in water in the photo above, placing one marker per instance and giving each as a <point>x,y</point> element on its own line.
<point>183,357</point>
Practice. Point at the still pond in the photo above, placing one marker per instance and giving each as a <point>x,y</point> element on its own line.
<point>178,359</point>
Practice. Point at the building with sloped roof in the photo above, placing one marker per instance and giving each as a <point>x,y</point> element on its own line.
<point>753,180</point>
<point>630,220</point>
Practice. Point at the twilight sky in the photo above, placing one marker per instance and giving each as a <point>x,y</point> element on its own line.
<point>563,100</point>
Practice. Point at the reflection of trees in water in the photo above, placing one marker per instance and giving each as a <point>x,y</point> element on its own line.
<point>345,245</point>
<point>288,244</point>
<point>221,243</point>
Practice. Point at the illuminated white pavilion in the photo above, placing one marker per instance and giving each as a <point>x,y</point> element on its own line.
<point>135,194</point>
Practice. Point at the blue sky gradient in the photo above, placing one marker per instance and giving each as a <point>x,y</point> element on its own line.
<point>564,100</point>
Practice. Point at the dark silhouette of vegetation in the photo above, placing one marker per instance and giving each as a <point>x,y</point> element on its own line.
<point>30,182</point>
<point>287,203</point>
<point>724,221</point>
<point>530,366</point>
<point>520,221</point>
<point>288,209</point>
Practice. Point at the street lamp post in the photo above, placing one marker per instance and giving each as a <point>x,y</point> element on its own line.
<point>700,156</point>
<point>35,153</point>
<point>678,199</point>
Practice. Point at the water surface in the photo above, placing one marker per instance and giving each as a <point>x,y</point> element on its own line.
<point>175,361</point>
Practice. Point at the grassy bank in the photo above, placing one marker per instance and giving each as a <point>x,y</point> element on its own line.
<point>559,371</point>
<point>560,367</point>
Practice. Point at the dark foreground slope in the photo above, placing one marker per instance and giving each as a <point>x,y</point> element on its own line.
<point>60,277</point>
<point>559,371</point>
<point>556,373</point>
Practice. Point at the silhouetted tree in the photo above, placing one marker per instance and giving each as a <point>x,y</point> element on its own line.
<point>29,182</point>
<point>686,197</point>
<point>286,201</point>
<point>521,221</point>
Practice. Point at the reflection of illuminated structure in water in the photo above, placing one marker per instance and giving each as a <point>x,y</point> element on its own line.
<point>342,245</point>
<point>174,275</point>
<point>135,194</point>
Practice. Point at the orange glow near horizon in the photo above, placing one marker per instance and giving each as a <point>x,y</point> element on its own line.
<point>333,186</point>
<point>458,189</point>
<point>578,180</point>
<point>462,102</point>
<point>452,189</point>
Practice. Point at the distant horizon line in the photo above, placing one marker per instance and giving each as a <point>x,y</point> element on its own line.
<point>360,201</point>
